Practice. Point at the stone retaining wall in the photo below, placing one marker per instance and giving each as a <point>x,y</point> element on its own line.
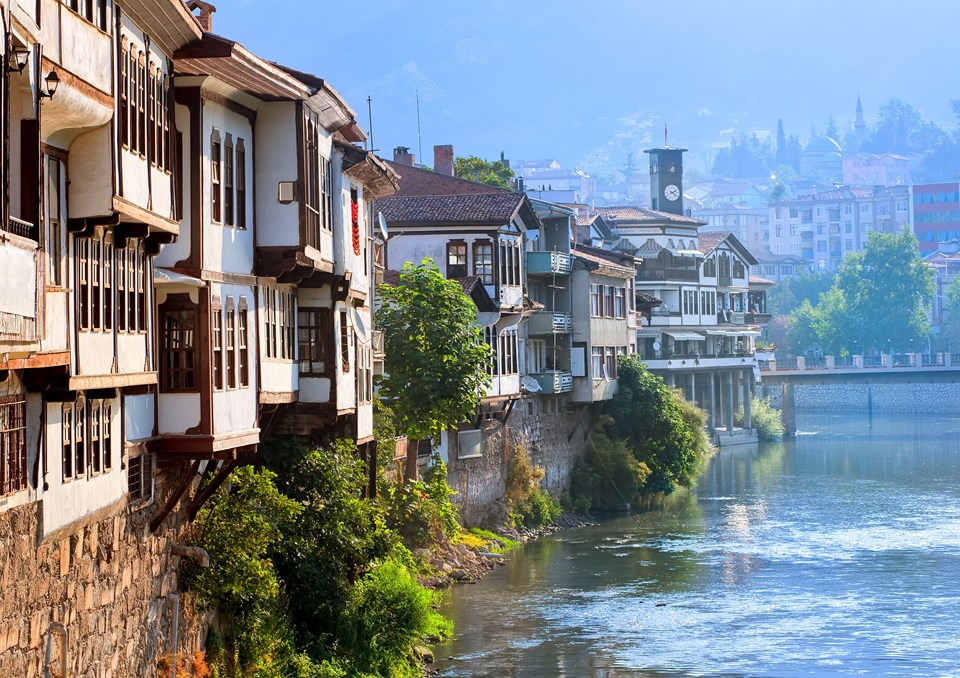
<point>106,582</point>
<point>552,432</point>
<point>935,398</point>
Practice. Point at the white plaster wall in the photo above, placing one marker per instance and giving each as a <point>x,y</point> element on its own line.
<point>86,51</point>
<point>49,25</point>
<point>90,173</point>
<point>132,352</point>
<point>66,502</point>
<point>314,390</point>
<point>345,258</point>
<point>278,376</point>
<point>276,153</point>
<point>226,248</point>
<point>134,170</point>
<point>161,188</point>
<point>364,421</point>
<point>179,412</point>
<point>18,292</point>
<point>55,318</point>
<point>138,417</point>
<point>95,353</point>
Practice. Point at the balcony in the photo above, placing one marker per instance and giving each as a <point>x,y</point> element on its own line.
<point>549,263</point>
<point>724,280</point>
<point>550,322</point>
<point>19,227</point>
<point>554,382</point>
<point>756,318</point>
<point>658,274</point>
<point>731,317</point>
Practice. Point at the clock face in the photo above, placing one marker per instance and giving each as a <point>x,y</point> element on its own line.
<point>671,192</point>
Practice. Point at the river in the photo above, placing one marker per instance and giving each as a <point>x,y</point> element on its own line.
<point>835,553</point>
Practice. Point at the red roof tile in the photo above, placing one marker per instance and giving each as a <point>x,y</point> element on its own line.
<point>643,215</point>
<point>416,181</point>
<point>707,242</point>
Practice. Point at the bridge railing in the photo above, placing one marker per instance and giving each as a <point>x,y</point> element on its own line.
<point>883,361</point>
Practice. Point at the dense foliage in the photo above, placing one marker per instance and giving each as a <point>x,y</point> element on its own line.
<point>877,303</point>
<point>307,579</point>
<point>766,420</point>
<point>436,364</point>
<point>652,441</point>
<point>495,173</point>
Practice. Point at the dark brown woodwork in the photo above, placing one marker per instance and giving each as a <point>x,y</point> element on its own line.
<point>30,171</point>
<point>201,497</point>
<point>175,497</point>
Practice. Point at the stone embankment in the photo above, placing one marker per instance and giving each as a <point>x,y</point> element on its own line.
<point>933,398</point>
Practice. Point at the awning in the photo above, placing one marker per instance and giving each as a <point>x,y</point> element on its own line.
<point>162,276</point>
<point>685,336</point>
<point>487,318</point>
<point>648,333</point>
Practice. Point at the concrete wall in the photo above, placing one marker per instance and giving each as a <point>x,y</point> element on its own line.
<point>542,425</point>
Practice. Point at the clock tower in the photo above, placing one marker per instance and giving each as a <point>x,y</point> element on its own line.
<point>666,179</point>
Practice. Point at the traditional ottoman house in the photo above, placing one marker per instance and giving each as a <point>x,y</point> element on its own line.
<point>91,199</point>
<point>701,336</point>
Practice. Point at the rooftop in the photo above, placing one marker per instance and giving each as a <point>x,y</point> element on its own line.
<point>498,209</point>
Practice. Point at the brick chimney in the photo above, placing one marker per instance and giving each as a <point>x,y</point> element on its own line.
<point>403,156</point>
<point>443,160</point>
<point>205,17</point>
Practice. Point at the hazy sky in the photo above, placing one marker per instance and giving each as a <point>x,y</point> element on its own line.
<point>585,82</point>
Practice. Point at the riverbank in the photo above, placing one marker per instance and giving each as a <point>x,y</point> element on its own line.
<point>450,563</point>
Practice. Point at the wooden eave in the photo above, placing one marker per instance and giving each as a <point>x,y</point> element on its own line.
<point>377,177</point>
<point>333,110</point>
<point>288,265</point>
<point>168,22</point>
<point>221,446</point>
<point>233,64</point>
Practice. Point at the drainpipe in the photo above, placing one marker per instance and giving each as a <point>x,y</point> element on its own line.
<point>174,632</point>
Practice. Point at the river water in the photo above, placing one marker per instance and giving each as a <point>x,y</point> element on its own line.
<point>836,553</point>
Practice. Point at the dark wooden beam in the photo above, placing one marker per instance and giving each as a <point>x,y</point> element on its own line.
<point>201,497</point>
<point>175,497</point>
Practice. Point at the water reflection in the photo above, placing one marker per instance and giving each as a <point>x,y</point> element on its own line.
<point>835,553</point>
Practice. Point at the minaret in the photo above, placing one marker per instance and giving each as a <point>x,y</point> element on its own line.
<point>859,126</point>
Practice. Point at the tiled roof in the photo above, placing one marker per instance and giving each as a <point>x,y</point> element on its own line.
<point>416,181</point>
<point>647,299</point>
<point>615,262</point>
<point>758,280</point>
<point>489,208</point>
<point>708,241</point>
<point>643,215</point>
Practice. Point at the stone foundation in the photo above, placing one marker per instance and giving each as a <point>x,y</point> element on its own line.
<point>933,398</point>
<point>107,583</point>
<point>552,431</point>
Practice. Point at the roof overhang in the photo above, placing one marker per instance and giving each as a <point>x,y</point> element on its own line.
<point>168,22</point>
<point>232,63</point>
<point>378,178</point>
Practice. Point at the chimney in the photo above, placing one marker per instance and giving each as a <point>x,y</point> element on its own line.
<point>205,18</point>
<point>403,156</point>
<point>443,160</point>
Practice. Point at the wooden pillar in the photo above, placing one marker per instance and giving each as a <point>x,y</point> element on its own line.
<point>713,400</point>
<point>729,413</point>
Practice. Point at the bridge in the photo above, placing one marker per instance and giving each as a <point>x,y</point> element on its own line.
<point>861,373</point>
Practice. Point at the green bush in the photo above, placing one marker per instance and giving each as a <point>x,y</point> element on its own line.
<point>539,509</point>
<point>420,511</point>
<point>608,475</point>
<point>765,419</point>
<point>389,614</point>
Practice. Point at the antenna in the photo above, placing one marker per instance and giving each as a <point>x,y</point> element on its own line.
<point>419,140</point>
<point>370,146</point>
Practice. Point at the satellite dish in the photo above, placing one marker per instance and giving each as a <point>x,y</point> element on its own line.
<point>383,224</point>
<point>530,385</point>
<point>656,346</point>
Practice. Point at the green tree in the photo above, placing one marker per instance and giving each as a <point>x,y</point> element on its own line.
<point>436,357</point>
<point>238,527</point>
<point>880,296</point>
<point>332,542</point>
<point>494,173</point>
<point>950,324</point>
<point>662,430</point>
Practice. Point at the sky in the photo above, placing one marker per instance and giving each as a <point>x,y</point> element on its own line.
<point>587,83</point>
